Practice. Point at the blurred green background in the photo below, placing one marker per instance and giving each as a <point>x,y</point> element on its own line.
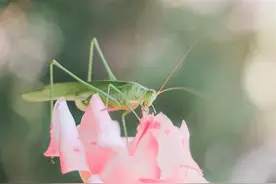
<point>142,41</point>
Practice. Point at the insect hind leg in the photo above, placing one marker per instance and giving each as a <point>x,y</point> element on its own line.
<point>89,86</point>
<point>95,43</point>
<point>52,63</point>
<point>51,90</point>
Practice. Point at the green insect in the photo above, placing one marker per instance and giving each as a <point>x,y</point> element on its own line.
<point>117,94</point>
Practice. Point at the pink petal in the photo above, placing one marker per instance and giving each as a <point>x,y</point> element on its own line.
<point>183,176</point>
<point>119,170</point>
<point>93,119</point>
<point>185,140</point>
<point>145,157</point>
<point>169,152</point>
<point>125,169</point>
<point>178,153</point>
<point>184,131</point>
<point>65,140</point>
<point>150,180</point>
<point>190,176</point>
<point>100,135</point>
<point>94,179</point>
<point>53,148</point>
<point>164,121</point>
<point>142,128</point>
<point>174,155</point>
<point>130,140</point>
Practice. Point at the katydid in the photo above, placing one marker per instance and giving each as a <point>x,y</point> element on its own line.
<point>117,94</point>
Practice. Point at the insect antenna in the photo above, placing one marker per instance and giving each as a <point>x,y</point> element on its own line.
<point>192,91</point>
<point>177,66</point>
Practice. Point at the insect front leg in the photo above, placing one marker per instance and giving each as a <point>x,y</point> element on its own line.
<point>153,108</point>
<point>111,86</point>
<point>95,43</point>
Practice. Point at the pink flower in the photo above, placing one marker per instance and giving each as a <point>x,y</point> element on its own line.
<point>159,153</point>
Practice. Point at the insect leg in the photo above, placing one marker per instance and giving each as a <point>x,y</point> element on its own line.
<point>108,92</point>
<point>111,86</point>
<point>124,124</point>
<point>51,97</point>
<point>95,43</point>
<point>117,90</point>
<point>90,61</point>
<point>153,109</point>
<point>89,86</point>
<point>51,90</point>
